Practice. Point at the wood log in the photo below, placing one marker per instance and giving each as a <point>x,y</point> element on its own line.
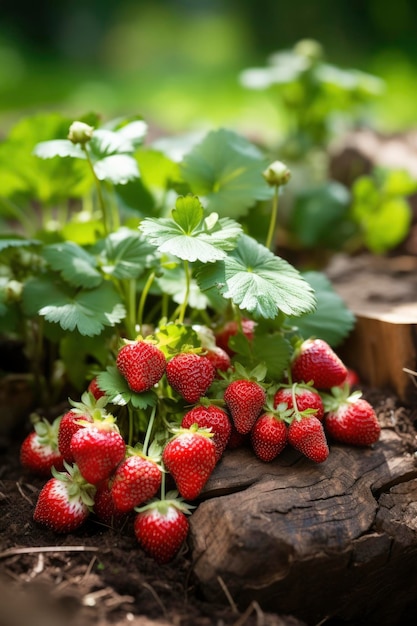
<point>382,293</point>
<point>314,541</point>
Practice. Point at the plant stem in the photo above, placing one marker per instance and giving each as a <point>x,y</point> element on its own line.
<point>149,430</point>
<point>270,239</point>
<point>142,300</point>
<point>104,212</point>
<point>184,305</point>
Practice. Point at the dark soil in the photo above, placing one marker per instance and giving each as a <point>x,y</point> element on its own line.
<point>99,575</point>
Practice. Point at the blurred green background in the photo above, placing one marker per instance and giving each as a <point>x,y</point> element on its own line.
<point>177,62</point>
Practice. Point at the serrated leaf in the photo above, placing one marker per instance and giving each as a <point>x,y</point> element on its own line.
<point>171,337</point>
<point>60,148</point>
<point>259,282</point>
<point>125,254</point>
<point>75,265</point>
<point>18,243</point>
<point>88,312</point>
<point>118,391</point>
<point>332,320</point>
<point>226,170</point>
<point>189,238</point>
<point>117,169</point>
<point>105,142</point>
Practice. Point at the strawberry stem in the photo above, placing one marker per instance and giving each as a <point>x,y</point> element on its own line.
<point>184,305</point>
<point>149,430</point>
<point>270,239</point>
<point>142,300</point>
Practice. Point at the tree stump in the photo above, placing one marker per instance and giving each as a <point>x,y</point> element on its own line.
<point>316,541</point>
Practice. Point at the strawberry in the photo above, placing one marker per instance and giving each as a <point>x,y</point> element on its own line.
<point>190,375</point>
<point>94,389</point>
<point>39,450</point>
<point>82,413</point>
<point>244,399</point>
<point>304,397</point>
<point>268,436</point>
<point>315,361</point>
<point>97,450</point>
<point>104,507</point>
<point>232,328</point>
<point>219,358</point>
<point>190,456</point>
<point>161,528</point>
<point>142,364</point>
<point>353,421</point>
<point>308,437</point>
<point>214,418</point>
<point>65,501</point>
<point>136,480</point>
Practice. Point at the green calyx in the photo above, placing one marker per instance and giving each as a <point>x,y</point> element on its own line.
<point>76,485</point>
<point>339,396</point>
<point>46,432</point>
<point>163,505</point>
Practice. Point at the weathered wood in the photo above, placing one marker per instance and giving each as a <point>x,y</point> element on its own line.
<point>382,293</point>
<point>301,538</point>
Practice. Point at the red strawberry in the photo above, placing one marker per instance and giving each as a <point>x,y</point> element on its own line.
<point>161,528</point>
<point>305,398</point>
<point>307,436</point>
<point>104,507</point>
<point>190,456</point>
<point>136,480</point>
<point>315,361</point>
<point>190,375</point>
<point>142,364</point>
<point>82,413</point>
<point>232,328</point>
<point>219,359</point>
<point>97,450</point>
<point>95,389</point>
<point>244,399</point>
<point>268,436</point>
<point>39,450</point>
<point>214,418</point>
<point>353,422</point>
<point>64,502</point>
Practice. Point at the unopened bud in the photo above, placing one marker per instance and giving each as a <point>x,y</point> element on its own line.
<point>309,49</point>
<point>80,132</point>
<point>277,174</point>
<point>14,290</point>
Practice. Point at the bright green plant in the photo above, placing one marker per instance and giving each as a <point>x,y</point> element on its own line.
<point>105,237</point>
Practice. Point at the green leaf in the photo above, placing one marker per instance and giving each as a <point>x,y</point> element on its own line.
<point>332,320</point>
<point>388,226</point>
<point>191,238</point>
<point>75,265</point>
<point>79,352</point>
<point>17,243</point>
<point>88,312</point>
<point>118,391</point>
<point>271,349</point>
<point>226,170</point>
<point>172,336</point>
<point>259,282</point>
<point>132,129</point>
<point>173,283</point>
<point>125,254</point>
<point>117,169</point>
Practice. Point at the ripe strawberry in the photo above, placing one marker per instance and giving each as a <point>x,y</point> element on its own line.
<point>65,501</point>
<point>219,358</point>
<point>214,418</point>
<point>307,436</point>
<point>353,422</point>
<point>39,450</point>
<point>244,399</point>
<point>136,480</point>
<point>104,507</point>
<point>142,364</point>
<point>305,398</point>
<point>315,361</point>
<point>232,328</point>
<point>190,375</point>
<point>161,528</point>
<point>97,450</point>
<point>94,388</point>
<point>82,413</point>
<point>190,456</point>
<point>268,436</point>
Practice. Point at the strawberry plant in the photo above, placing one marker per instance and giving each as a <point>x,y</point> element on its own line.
<point>134,281</point>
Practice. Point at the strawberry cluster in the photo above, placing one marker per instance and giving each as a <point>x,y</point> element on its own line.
<point>206,402</point>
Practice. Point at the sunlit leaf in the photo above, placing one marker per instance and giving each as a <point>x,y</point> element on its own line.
<point>117,168</point>
<point>259,282</point>
<point>76,266</point>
